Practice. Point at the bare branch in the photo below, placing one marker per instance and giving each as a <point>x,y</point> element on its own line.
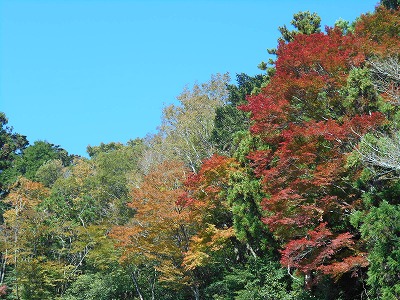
<point>386,77</point>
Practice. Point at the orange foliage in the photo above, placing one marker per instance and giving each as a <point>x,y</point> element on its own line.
<point>378,33</point>
<point>160,228</point>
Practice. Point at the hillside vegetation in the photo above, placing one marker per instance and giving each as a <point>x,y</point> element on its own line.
<point>284,185</point>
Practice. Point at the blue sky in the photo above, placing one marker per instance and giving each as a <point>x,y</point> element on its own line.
<point>78,73</point>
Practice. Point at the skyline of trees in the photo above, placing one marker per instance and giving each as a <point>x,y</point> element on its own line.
<point>284,185</point>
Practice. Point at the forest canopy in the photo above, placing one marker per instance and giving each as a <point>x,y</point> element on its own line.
<point>284,185</point>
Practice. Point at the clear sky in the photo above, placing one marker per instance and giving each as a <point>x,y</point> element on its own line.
<point>78,73</point>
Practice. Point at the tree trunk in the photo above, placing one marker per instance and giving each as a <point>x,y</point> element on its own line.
<point>153,284</point>
<point>196,293</point>
<point>3,266</point>
<point>308,280</point>
<point>136,285</point>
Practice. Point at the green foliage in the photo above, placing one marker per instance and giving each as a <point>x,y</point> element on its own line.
<point>345,26</point>
<point>103,148</point>
<point>391,4</point>
<point>257,279</point>
<point>244,197</point>
<point>11,145</point>
<point>91,287</point>
<point>67,229</point>
<point>360,94</point>
<point>98,189</point>
<point>49,172</point>
<point>228,118</point>
<point>39,279</point>
<point>28,162</point>
<point>381,231</point>
<point>304,22</point>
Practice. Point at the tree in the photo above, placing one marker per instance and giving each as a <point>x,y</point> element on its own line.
<point>25,237</point>
<point>258,279</point>
<point>103,148</point>
<point>187,128</point>
<point>97,190</point>
<point>49,172</point>
<point>386,77</point>
<point>11,144</point>
<point>380,228</point>
<point>84,203</point>
<point>228,118</point>
<point>309,130</point>
<point>381,152</point>
<point>115,171</point>
<point>391,4</point>
<point>159,232</point>
<point>205,198</point>
<point>33,157</point>
<point>378,33</point>
<point>304,22</point>
<point>223,200</point>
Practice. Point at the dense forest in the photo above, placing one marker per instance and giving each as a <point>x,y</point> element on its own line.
<point>284,185</point>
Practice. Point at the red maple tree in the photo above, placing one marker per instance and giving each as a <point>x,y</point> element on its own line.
<point>309,132</point>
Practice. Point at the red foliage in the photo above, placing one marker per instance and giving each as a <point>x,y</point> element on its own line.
<point>317,59</point>
<point>310,132</point>
<point>323,251</point>
<point>269,111</point>
<point>208,208</point>
<point>203,189</point>
<point>3,290</point>
<point>305,175</point>
<point>309,74</point>
<point>212,175</point>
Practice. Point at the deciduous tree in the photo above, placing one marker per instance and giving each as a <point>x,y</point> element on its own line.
<point>187,128</point>
<point>159,232</point>
<point>309,130</point>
